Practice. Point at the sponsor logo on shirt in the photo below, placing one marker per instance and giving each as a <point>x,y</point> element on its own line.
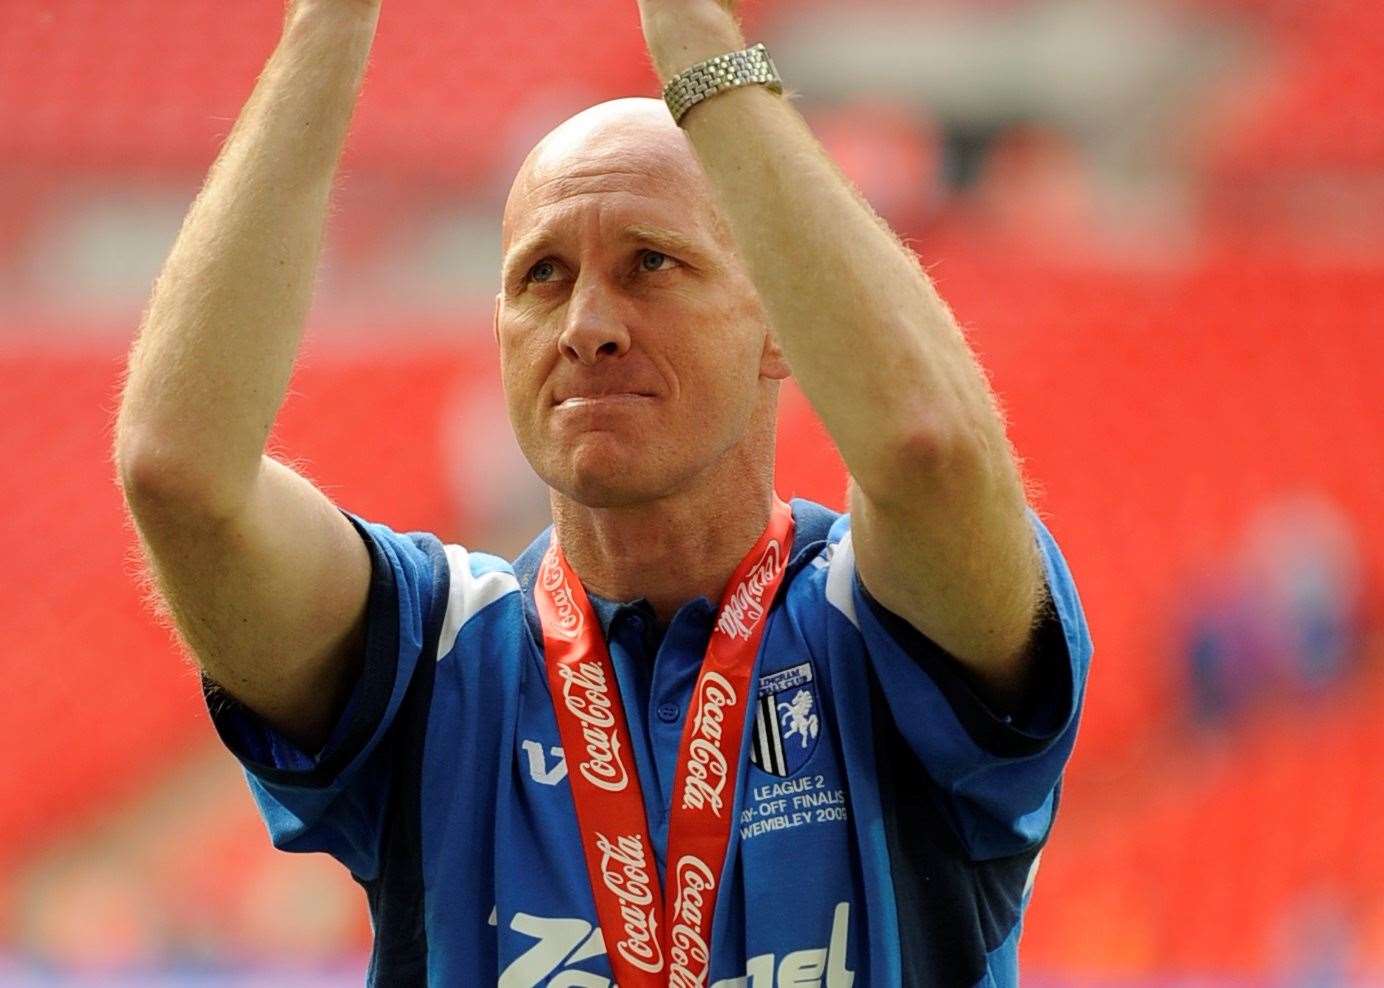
<point>563,946</point>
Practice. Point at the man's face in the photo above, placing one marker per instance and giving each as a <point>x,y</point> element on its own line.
<point>632,344</point>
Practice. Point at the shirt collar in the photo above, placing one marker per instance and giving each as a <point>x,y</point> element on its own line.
<point>811,525</point>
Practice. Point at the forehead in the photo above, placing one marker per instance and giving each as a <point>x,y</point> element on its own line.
<point>604,178</point>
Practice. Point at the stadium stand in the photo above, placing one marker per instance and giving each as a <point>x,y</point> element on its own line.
<point>1159,408</point>
<point>72,97</point>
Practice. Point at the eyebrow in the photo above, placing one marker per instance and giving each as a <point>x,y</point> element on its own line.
<point>674,242</point>
<point>660,237</point>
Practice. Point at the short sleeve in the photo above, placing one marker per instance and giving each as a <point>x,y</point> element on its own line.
<point>334,800</point>
<point>998,772</point>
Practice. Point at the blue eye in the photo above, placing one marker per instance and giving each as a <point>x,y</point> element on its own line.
<point>652,260</point>
<point>542,271</point>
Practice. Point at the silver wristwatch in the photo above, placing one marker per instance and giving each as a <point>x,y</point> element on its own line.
<point>750,67</point>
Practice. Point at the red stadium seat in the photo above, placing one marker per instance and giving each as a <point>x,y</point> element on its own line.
<point>166,95</point>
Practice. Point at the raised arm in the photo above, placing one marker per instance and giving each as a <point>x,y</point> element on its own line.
<point>266,580</point>
<point>939,525</point>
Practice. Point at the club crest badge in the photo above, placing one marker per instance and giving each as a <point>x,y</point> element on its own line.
<point>786,721</point>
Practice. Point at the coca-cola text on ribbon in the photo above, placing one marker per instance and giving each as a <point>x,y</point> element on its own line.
<point>707,763</point>
<point>689,953</point>
<point>554,581</point>
<point>586,694</point>
<point>631,883</point>
<point>744,606</point>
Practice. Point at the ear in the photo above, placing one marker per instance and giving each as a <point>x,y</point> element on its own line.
<point>772,363</point>
<point>495,320</point>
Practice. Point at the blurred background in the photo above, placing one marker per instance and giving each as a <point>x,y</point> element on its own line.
<point>1162,223</point>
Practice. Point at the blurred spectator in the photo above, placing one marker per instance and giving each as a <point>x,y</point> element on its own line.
<point>1317,940</point>
<point>1282,617</point>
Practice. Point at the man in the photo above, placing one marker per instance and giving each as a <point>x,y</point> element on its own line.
<point>692,735</point>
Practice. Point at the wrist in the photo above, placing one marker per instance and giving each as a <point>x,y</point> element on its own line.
<point>719,75</point>
<point>346,16</point>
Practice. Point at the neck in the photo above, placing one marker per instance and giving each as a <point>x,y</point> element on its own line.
<point>669,550</point>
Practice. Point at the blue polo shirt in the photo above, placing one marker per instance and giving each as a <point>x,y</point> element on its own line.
<point>887,825</point>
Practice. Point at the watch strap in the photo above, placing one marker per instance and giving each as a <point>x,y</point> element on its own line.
<point>734,69</point>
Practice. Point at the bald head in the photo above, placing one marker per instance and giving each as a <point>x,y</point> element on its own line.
<point>630,123</point>
<point>620,137</point>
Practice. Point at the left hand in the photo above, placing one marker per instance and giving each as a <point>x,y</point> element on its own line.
<point>681,33</point>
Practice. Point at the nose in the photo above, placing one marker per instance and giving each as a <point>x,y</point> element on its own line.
<point>594,327</point>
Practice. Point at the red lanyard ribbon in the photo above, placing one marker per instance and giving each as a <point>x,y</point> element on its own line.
<point>643,948</point>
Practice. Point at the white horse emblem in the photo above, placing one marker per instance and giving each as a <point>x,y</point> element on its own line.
<point>797,717</point>
<point>777,723</point>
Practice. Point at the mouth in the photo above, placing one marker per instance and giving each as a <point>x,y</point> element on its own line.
<point>602,400</point>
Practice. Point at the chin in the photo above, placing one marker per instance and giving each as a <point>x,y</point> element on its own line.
<point>606,478</point>
<point>612,489</point>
